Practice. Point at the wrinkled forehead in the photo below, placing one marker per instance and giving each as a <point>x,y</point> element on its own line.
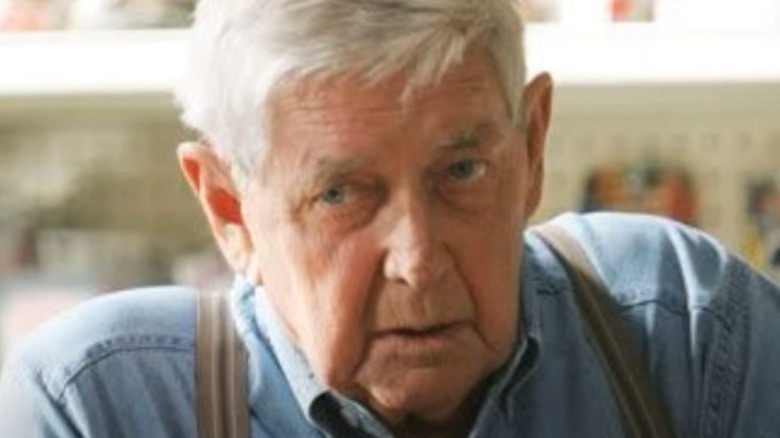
<point>474,81</point>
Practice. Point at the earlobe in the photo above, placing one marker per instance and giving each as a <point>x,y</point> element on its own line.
<point>209,178</point>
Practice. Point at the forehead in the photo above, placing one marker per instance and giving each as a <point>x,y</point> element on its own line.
<point>335,107</point>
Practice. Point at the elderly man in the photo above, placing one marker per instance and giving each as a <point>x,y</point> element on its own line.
<point>368,169</point>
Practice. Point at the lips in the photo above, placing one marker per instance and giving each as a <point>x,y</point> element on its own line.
<point>437,335</point>
<point>419,347</point>
<point>433,330</point>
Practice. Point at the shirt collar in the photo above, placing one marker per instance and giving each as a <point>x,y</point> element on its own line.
<point>305,387</point>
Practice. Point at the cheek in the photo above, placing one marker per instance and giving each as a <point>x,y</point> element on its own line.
<point>343,290</point>
<point>512,193</point>
<point>323,292</point>
<point>495,294</point>
<point>488,261</point>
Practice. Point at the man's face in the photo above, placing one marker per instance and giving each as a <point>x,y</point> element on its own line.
<point>387,234</point>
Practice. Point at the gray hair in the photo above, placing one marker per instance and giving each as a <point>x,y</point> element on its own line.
<point>242,49</point>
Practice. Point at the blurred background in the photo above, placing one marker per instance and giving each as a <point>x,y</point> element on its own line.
<point>670,107</point>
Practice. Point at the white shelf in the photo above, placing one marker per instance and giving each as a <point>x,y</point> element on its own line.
<point>99,74</point>
<point>137,69</point>
<point>90,63</point>
<point>626,54</point>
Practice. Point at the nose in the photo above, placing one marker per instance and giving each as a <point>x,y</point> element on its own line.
<point>416,255</point>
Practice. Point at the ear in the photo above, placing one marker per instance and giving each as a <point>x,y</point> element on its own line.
<point>209,178</point>
<point>537,111</point>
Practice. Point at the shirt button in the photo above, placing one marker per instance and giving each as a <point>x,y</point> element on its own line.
<point>351,418</point>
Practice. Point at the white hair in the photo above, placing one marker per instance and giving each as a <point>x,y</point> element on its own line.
<point>242,49</point>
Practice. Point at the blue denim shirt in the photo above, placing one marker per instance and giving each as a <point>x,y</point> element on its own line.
<point>705,324</point>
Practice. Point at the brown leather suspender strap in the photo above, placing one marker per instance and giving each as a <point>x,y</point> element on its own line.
<point>642,411</point>
<point>220,373</point>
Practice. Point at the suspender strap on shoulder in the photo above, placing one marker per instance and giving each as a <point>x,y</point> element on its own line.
<point>642,411</point>
<point>220,371</point>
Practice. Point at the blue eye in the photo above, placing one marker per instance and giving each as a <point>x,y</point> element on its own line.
<point>466,170</point>
<point>334,195</point>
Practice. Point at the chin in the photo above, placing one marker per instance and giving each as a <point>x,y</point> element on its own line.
<point>432,394</point>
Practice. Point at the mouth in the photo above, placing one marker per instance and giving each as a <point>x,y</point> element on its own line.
<point>418,332</point>
<point>429,337</point>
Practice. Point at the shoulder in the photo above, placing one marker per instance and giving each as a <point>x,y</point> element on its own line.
<point>701,318</point>
<point>644,258</point>
<point>621,237</point>
<point>153,320</point>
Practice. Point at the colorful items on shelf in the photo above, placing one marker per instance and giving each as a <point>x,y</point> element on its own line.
<point>653,189</point>
<point>30,15</point>
<point>762,243</point>
<point>631,10</point>
<point>27,15</point>
<point>129,14</point>
<point>579,12</point>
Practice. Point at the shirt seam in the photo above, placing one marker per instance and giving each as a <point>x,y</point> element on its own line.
<point>105,349</point>
<point>683,312</point>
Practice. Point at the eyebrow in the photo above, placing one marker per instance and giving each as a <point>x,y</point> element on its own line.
<point>329,168</point>
<point>470,138</point>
